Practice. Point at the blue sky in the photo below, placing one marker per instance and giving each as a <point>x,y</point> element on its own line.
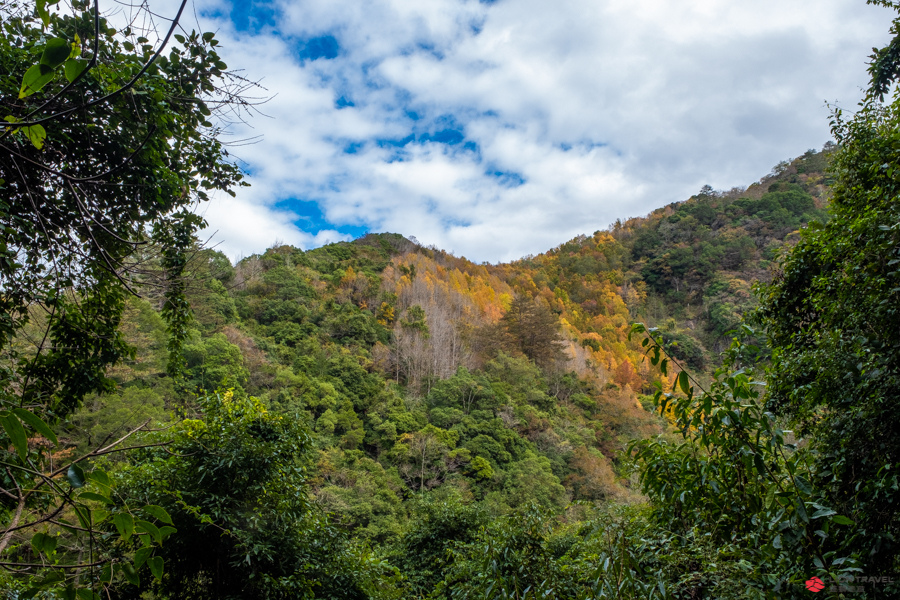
<point>499,129</point>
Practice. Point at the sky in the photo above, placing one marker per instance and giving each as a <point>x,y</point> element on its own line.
<point>498,129</point>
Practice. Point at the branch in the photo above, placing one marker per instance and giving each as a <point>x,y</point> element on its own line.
<point>21,505</point>
<point>122,89</point>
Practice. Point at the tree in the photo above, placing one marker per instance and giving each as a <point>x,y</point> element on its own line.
<point>105,143</point>
<point>736,481</point>
<point>535,331</point>
<point>427,456</point>
<point>833,320</point>
<point>109,145</point>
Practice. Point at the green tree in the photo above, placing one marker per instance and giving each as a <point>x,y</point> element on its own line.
<point>234,483</point>
<point>105,141</point>
<point>832,319</point>
<point>534,330</point>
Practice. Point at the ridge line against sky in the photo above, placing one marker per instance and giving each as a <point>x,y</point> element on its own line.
<point>500,129</point>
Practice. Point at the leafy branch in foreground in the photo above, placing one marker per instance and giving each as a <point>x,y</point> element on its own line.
<point>736,478</point>
<point>60,515</point>
<point>106,136</point>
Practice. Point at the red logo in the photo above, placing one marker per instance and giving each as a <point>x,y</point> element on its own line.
<point>814,584</point>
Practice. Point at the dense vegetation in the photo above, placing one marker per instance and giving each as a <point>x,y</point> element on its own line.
<point>377,419</point>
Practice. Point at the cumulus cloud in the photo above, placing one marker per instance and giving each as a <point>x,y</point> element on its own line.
<point>498,129</point>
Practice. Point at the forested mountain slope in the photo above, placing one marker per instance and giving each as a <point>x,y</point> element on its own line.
<point>421,372</point>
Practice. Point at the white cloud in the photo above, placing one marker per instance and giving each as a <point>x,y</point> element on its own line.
<point>590,109</point>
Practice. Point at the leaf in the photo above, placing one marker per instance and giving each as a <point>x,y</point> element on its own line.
<point>100,476</point>
<point>95,497</point>
<point>41,6</point>
<point>56,52</point>
<point>156,567</point>
<point>36,423</point>
<point>801,511</point>
<point>35,78</point>
<point>84,515</point>
<point>106,573</point>
<point>74,67</point>
<point>125,524</point>
<point>683,383</point>
<point>158,512</point>
<point>825,512</point>
<point>37,135</point>
<point>16,434</point>
<point>41,542</point>
<point>166,531</point>
<point>147,527</point>
<point>130,574</point>
<point>75,476</point>
<point>140,557</point>
<point>841,520</point>
<point>803,485</point>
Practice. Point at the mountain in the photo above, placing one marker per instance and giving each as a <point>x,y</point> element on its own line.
<point>424,376</point>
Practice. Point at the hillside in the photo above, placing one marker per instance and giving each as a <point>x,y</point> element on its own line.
<point>379,419</point>
<point>421,372</point>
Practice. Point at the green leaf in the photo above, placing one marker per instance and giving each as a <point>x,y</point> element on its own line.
<point>158,512</point>
<point>156,567</point>
<point>75,475</point>
<point>56,52</point>
<point>36,134</point>
<point>683,383</point>
<point>36,423</point>
<point>147,527</point>
<point>106,573</point>
<point>84,515</point>
<point>41,6</point>
<point>95,497</point>
<point>41,542</point>
<point>16,434</point>
<point>125,524</point>
<point>74,67</point>
<point>140,557</point>
<point>130,574</point>
<point>801,511</point>
<point>100,476</point>
<point>841,520</point>
<point>35,78</point>
<point>166,531</point>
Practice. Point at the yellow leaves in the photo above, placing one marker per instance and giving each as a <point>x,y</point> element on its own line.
<point>385,315</point>
<point>193,427</point>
